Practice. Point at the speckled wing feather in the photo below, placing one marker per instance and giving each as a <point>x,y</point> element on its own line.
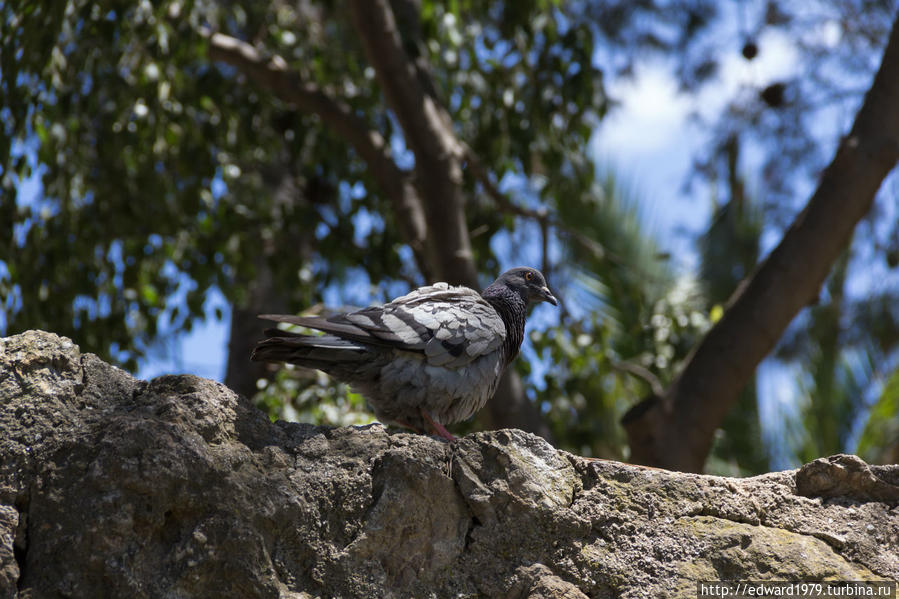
<point>451,326</point>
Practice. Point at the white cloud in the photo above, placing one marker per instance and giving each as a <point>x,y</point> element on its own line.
<point>650,114</point>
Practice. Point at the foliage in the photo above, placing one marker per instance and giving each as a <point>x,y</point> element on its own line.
<point>838,377</point>
<point>631,323</point>
<point>880,439</point>
<point>314,398</point>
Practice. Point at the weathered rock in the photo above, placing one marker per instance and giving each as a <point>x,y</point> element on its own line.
<point>848,476</point>
<point>177,487</point>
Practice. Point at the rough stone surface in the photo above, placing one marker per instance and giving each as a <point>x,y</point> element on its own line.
<point>177,487</point>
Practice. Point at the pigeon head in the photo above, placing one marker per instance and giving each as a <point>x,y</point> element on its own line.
<point>528,283</point>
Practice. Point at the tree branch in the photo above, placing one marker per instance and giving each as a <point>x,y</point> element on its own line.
<point>788,280</point>
<point>425,123</point>
<point>641,372</point>
<point>428,132</point>
<point>273,74</point>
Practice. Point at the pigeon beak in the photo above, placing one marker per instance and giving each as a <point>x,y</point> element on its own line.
<point>547,296</point>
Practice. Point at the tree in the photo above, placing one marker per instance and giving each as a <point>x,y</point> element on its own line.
<point>788,280</point>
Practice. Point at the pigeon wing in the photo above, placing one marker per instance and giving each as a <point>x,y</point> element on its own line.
<point>451,326</point>
<point>459,325</point>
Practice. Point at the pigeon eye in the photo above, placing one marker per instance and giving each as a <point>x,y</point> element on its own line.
<point>528,276</point>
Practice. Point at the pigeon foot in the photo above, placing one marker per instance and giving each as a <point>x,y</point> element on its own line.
<point>438,428</point>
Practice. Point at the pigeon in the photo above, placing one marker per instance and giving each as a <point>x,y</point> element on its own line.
<point>427,359</point>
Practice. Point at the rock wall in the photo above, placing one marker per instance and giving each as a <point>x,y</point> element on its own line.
<point>177,487</point>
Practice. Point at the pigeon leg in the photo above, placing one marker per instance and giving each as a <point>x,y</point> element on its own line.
<point>438,428</point>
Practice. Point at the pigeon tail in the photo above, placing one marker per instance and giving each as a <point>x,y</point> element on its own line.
<point>330,354</point>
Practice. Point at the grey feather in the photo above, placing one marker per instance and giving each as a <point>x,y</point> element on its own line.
<point>431,357</point>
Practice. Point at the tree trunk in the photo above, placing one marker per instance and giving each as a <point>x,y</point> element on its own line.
<point>265,295</point>
<point>246,330</point>
<point>675,431</point>
<point>241,374</point>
